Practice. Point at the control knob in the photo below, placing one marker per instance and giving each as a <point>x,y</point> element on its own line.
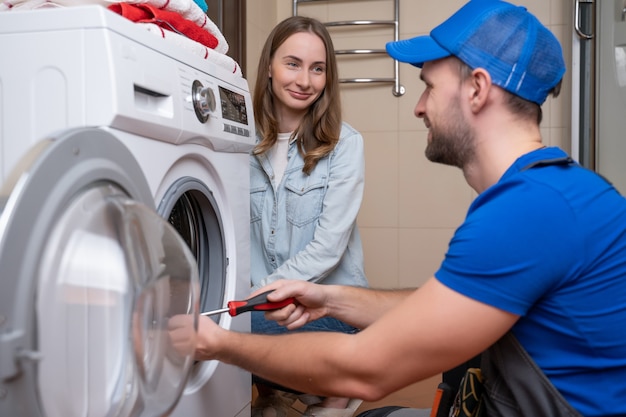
<point>203,100</point>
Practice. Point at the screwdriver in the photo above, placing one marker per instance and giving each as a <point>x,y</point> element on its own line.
<point>256,303</point>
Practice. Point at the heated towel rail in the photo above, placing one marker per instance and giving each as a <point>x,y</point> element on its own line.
<point>398,89</point>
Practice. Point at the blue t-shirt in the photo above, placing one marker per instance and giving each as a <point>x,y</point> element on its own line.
<point>548,243</point>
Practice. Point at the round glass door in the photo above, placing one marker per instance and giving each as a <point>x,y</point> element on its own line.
<point>112,275</point>
<point>92,279</point>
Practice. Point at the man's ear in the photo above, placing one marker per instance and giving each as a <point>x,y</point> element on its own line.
<point>480,87</point>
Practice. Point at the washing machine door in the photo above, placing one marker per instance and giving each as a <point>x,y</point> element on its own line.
<point>90,276</point>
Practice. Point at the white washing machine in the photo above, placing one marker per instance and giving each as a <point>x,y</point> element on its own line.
<point>125,202</point>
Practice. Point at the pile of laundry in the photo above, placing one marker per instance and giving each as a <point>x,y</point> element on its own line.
<point>182,22</point>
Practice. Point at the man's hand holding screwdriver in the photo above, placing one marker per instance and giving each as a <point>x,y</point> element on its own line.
<point>299,302</point>
<point>311,302</point>
<point>181,327</point>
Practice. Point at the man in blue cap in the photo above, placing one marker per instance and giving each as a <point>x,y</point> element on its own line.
<point>535,276</point>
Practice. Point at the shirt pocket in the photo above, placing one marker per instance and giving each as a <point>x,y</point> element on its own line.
<point>258,189</point>
<point>305,195</point>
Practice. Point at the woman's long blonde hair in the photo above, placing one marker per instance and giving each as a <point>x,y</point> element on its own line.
<point>320,127</point>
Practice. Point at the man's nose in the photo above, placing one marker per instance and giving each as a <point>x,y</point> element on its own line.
<point>420,108</point>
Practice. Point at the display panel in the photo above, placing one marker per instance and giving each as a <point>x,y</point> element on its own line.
<point>233,106</point>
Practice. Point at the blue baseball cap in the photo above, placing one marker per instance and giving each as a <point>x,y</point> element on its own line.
<point>521,55</point>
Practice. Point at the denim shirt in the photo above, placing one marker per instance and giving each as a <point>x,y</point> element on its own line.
<point>305,227</point>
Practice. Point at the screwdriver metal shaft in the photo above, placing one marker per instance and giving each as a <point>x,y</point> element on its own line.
<point>214,312</point>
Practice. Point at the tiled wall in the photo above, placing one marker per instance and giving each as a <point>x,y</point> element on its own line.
<point>411,206</point>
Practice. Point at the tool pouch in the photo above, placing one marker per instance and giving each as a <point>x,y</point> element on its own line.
<point>514,386</point>
<point>469,399</point>
<point>508,384</point>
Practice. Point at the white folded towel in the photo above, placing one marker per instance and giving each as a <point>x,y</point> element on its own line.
<point>194,47</point>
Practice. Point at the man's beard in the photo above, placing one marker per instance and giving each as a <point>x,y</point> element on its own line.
<point>451,142</point>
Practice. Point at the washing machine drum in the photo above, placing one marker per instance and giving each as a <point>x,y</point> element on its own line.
<point>91,277</point>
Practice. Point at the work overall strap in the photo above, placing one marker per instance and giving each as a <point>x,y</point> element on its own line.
<point>564,160</point>
<point>514,386</point>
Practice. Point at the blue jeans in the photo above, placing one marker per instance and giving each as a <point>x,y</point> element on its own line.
<point>326,324</point>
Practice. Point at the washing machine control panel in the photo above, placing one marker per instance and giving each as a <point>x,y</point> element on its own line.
<point>232,105</point>
<point>216,110</point>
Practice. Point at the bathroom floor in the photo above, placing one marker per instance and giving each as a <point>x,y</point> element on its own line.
<point>419,395</point>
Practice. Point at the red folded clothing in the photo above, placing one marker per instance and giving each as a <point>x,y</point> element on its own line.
<point>147,13</point>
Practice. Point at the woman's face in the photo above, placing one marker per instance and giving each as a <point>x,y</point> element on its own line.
<point>298,76</point>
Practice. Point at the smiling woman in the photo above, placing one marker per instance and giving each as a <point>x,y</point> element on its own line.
<point>306,179</point>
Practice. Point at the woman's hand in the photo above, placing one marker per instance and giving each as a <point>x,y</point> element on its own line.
<point>310,302</point>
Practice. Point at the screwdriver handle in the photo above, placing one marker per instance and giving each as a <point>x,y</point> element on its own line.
<point>257,303</point>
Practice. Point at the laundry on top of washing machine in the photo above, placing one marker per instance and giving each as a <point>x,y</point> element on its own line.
<point>182,23</point>
<point>171,21</point>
